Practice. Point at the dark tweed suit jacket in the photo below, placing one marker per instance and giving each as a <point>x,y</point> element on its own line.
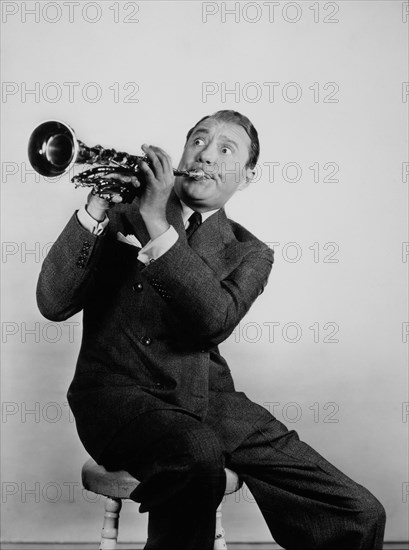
<point>151,333</point>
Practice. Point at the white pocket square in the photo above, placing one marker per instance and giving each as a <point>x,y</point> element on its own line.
<point>129,239</point>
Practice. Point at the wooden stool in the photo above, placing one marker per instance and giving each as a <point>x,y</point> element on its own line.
<point>119,485</point>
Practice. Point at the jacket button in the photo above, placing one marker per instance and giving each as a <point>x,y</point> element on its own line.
<point>137,287</point>
<point>146,341</point>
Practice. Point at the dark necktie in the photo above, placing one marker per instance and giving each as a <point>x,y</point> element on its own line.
<point>194,221</point>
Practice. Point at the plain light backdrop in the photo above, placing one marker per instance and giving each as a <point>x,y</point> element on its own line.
<point>325,346</point>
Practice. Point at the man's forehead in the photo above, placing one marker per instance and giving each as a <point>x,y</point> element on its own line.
<point>223,128</point>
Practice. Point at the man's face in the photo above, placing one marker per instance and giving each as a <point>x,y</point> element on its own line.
<point>221,150</point>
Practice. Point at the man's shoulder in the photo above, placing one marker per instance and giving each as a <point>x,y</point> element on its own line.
<point>246,238</point>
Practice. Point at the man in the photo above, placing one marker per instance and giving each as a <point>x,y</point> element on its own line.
<point>161,287</point>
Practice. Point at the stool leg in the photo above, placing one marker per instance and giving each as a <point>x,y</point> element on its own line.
<point>109,533</point>
<point>219,540</point>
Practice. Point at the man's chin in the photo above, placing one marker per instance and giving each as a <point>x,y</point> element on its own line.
<point>193,191</point>
<point>193,195</point>
<point>198,188</point>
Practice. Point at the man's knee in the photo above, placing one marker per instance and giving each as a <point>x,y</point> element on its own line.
<point>369,518</point>
<point>361,526</point>
<point>373,511</point>
<point>367,505</point>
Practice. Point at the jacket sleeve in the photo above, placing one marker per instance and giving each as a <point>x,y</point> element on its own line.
<point>68,271</point>
<point>209,307</point>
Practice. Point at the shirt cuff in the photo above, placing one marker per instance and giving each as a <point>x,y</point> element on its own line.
<point>156,247</point>
<point>88,222</point>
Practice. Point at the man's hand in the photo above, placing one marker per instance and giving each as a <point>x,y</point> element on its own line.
<point>97,206</point>
<point>159,184</point>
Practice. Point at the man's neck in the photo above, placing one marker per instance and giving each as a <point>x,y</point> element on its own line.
<point>188,210</point>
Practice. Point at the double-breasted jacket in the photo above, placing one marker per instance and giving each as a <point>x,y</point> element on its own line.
<point>151,332</point>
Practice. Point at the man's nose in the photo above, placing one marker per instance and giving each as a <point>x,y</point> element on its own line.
<point>208,155</point>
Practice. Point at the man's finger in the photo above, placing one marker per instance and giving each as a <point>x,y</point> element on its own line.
<point>116,199</point>
<point>163,157</point>
<point>146,169</point>
<point>155,162</point>
<point>124,178</point>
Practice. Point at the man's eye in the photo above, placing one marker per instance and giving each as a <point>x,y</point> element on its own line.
<point>198,141</point>
<point>226,151</point>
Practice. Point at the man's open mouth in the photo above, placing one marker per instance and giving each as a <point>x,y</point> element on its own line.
<point>205,176</point>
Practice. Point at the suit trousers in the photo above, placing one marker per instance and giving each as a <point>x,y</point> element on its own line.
<point>307,503</point>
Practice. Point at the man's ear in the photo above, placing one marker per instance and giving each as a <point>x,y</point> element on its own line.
<point>250,173</point>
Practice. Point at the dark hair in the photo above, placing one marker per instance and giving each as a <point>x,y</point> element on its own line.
<point>244,122</point>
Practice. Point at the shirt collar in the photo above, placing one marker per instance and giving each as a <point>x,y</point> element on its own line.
<point>187,212</point>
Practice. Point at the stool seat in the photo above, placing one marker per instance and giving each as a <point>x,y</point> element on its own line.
<point>120,484</point>
<point>96,478</point>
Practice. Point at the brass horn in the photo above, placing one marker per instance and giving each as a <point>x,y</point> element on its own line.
<point>53,149</point>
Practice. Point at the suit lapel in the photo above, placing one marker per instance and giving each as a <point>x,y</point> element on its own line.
<point>174,214</point>
<point>213,235</point>
<point>210,238</point>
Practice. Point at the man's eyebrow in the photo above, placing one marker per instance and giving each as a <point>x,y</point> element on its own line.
<point>200,131</point>
<point>229,140</point>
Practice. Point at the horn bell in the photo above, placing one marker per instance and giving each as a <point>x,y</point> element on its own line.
<point>52,148</point>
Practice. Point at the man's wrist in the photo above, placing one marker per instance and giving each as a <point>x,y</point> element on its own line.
<point>91,224</point>
<point>157,247</point>
<point>156,228</point>
<point>156,224</point>
<point>96,212</point>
